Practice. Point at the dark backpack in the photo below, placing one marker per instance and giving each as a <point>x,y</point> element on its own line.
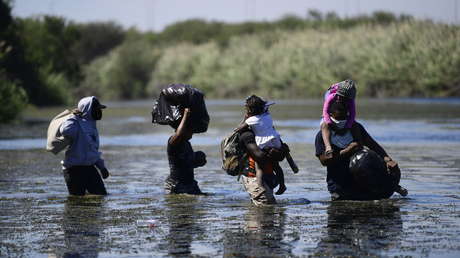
<point>234,158</point>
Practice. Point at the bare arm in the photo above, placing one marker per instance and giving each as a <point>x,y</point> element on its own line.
<point>241,127</point>
<point>182,129</point>
<point>373,145</point>
<point>351,149</point>
<point>256,153</point>
<point>329,159</point>
<point>325,131</point>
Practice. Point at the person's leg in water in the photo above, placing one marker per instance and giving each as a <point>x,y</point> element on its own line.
<point>280,176</point>
<point>261,193</point>
<point>75,178</point>
<point>95,184</point>
<point>259,172</point>
<point>326,133</point>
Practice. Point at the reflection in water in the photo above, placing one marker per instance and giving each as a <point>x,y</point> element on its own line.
<point>183,228</point>
<point>82,225</point>
<point>261,235</point>
<point>361,229</point>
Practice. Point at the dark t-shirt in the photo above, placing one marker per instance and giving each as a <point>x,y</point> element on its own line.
<point>181,162</point>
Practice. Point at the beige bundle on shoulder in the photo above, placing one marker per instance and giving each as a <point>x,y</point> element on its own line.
<point>55,142</point>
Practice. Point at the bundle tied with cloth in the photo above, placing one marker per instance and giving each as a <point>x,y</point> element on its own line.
<point>168,108</point>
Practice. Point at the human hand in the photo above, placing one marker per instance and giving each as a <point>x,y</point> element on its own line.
<point>285,148</point>
<point>105,173</point>
<point>276,154</point>
<point>391,164</point>
<point>329,154</point>
<point>393,167</point>
<point>199,159</point>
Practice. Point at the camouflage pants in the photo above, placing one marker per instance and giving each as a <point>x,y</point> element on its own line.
<point>258,195</point>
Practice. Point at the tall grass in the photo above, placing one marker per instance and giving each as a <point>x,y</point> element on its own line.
<point>412,58</point>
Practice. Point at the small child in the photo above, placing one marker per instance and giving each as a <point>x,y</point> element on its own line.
<point>261,123</point>
<point>344,91</point>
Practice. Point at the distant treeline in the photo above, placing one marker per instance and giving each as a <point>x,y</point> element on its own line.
<point>51,61</point>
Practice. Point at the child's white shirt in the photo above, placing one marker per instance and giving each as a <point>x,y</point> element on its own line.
<point>265,134</point>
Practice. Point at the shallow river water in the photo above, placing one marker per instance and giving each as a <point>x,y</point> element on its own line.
<point>39,219</point>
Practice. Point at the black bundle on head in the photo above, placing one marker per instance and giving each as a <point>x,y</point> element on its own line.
<point>255,105</point>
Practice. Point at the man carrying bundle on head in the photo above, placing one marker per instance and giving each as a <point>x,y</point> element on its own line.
<point>183,108</point>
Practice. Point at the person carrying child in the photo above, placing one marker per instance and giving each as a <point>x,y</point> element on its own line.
<point>339,125</point>
<point>259,120</point>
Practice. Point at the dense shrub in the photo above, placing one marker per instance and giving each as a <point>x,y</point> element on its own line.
<point>400,59</point>
<point>123,74</point>
<point>54,60</point>
<point>12,98</point>
<point>96,39</point>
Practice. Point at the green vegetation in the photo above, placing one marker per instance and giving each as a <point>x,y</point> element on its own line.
<point>403,59</point>
<point>12,98</point>
<point>44,56</point>
<point>48,60</point>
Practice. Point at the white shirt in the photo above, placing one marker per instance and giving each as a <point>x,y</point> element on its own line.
<point>265,134</point>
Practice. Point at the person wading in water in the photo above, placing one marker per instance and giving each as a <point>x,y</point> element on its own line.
<point>83,156</point>
<point>339,179</point>
<point>183,160</point>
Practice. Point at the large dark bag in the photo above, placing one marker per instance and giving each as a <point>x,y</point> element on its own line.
<point>164,113</point>
<point>370,174</point>
<point>168,109</point>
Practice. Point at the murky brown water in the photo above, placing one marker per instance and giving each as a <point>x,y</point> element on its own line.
<point>37,218</point>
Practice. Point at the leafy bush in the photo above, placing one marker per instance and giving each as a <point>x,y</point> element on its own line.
<point>54,60</point>
<point>123,74</point>
<point>399,59</point>
<point>48,42</point>
<point>12,97</point>
<point>96,39</point>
